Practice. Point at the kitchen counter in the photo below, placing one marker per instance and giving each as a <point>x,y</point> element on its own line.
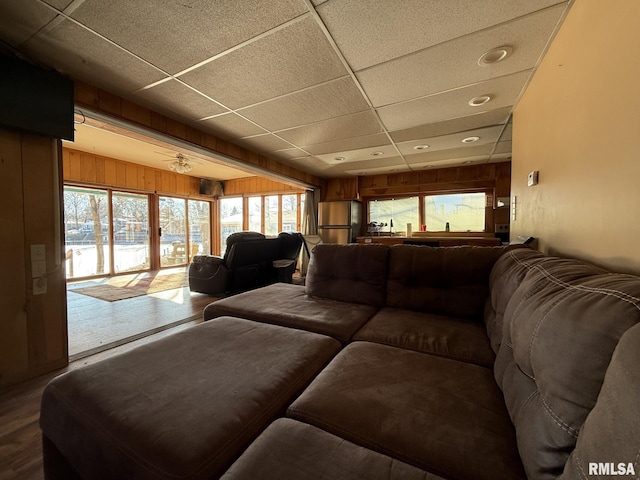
<point>432,240</point>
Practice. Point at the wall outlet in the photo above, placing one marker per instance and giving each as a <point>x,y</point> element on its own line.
<point>502,228</point>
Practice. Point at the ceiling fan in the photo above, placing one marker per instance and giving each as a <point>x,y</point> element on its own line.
<point>179,163</point>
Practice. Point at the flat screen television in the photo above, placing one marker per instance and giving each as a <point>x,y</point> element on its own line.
<point>34,99</point>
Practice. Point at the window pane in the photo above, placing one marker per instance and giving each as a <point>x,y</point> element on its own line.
<point>86,227</point>
<point>290,213</point>
<point>463,211</point>
<point>271,215</point>
<point>400,210</point>
<point>230,219</point>
<point>199,228</point>
<point>173,250</point>
<point>255,213</point>
<point>131,227</point>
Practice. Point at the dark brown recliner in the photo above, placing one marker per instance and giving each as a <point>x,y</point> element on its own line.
<point>251,260</point>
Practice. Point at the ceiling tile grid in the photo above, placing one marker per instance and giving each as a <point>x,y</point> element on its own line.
<point>289,59</point>
<point>302,81</point>
<point>176,35</point>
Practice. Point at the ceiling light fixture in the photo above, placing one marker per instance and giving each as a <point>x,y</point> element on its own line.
<point>421,147</point>
<point>377,154</point>
<point>470,139</point>
<point>339,159</point>
<point>481,100</point>
<point>180,164</point>
<point>494,55</point>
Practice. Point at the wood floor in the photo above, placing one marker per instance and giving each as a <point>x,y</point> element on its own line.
<point>95,325</point>
<point>98,329</point>
<point>20,438</point>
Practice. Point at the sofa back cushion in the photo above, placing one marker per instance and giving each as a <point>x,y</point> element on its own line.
<point>506,276</point>
<point>349,273</point>
<point>609,435</point>
<point>561,327</point>
<point>441,280</point>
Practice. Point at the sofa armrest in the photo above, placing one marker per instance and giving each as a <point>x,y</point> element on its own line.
<point>208,274</point>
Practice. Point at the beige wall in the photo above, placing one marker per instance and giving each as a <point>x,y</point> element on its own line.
<point>579,124</point>
<point>33,328</point>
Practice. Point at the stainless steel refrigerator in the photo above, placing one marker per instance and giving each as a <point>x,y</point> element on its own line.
<point>339,221</point>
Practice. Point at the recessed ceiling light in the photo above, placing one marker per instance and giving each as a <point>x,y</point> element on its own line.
<point>481,100</point>
<point>339,159</point>
<point>467,162</point>
<point>494,55</point>
<point>421,147</point>
<point>377,154</point>
<point>470,139</point>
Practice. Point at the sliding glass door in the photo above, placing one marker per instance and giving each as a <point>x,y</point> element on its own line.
<point>86,226</point>
<point>131,232</point>
<point>173,231</point>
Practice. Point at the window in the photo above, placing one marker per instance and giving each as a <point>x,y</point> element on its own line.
<point>131,232</point>
<point>254,204</point>
<point>199,228</point>
<point>399,210</point>
<point>173,225</point>
<point>86,226</point>
<point>290,213</point>
<point>230,219</point>
<point>271,206</point>
<point>464,212</point>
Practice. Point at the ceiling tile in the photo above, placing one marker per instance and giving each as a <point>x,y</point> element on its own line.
<point>481,151</point>
<point>503,147</point>
<point>471,122</point>
<point>230,126</point>
<point>287,60</point>
<point>332,99</point>
<point>386,165</point>
<point>174,35</point>
<point>290,153</point>
<point>507,134</point>
<point>20,20</point>
<point>503,90</point>
<point>446,142</point>
<point>400,28</point>
<point>455,63</point>
<point>79,53</point>
<point>357,124</point>
<point>263,143</point>
<point>354,143</point>
<point>174,98</point>
<point>362,154</point>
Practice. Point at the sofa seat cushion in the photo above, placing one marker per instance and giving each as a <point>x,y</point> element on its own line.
<point>182,407</point>
<point>289,305</point>
<point>441,415</point>
<point>450,337</point>
<point>288,449</point>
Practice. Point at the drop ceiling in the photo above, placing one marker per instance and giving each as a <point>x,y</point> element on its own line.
<point>334,88</point>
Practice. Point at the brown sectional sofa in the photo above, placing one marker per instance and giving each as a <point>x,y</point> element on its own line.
<point>445,363</point>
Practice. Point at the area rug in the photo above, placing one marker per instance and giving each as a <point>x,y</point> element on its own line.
<point>117,289</point>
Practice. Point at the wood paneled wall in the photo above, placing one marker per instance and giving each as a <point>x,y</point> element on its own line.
<point>90,169</point>
<point>115,106</point>
<point>256,185</point>
<point>489,176</point>
<point>33,327</point>
<point>87,168</point>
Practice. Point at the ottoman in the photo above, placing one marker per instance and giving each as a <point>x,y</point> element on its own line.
<point>296,451</point>
<point>183,407</point>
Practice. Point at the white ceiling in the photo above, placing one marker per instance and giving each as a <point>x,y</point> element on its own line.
<point>302,81</point>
